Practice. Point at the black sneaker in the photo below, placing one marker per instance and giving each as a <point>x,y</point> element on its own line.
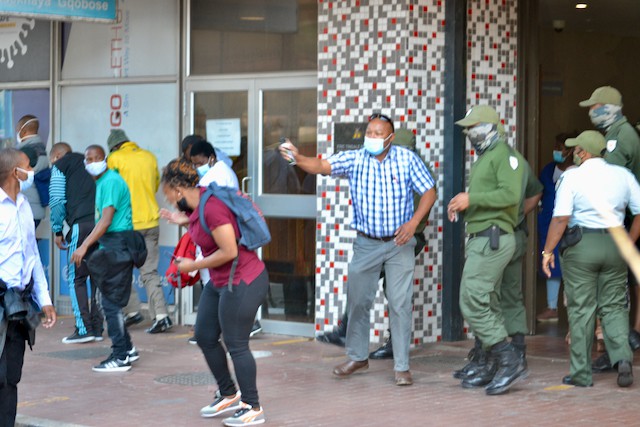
<point>133,320</point>
<point>161,325</point>
<point>256,328</point>
<point>98,336</point>
<point>113,364</point>
<point>193,340</point>
<point>133,354</point>
<point>78,338</point>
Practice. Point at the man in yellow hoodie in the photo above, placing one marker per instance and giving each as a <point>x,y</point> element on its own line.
<point>139,169</point>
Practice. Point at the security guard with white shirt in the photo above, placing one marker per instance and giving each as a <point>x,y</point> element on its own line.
<point>594,273</point>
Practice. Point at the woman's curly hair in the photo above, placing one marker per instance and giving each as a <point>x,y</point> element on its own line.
<point>179,173</point>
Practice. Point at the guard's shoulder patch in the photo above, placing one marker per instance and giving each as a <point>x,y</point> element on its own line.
<point>513,162</point>
<point>612,144</point>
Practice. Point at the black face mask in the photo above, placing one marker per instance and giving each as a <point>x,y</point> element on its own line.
<point>182,206</point>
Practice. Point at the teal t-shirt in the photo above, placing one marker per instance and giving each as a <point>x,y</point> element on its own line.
<point>112,190</point>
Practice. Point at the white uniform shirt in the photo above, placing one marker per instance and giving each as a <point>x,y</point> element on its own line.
<point>224,176</point>
<point>221,174</point>
<point>597,186</point>
<point>20,259</point>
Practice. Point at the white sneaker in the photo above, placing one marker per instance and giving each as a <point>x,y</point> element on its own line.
<point>245,416</point>
<point>112,364</point>
<point>220,405</point>
<point>133,354</point>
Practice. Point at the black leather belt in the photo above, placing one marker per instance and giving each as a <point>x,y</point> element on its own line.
<point>382,239</point>
<point>485,233</point>
<point>595,230</point>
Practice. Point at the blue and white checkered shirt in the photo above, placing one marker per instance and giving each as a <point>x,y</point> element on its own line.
<point>381,192</point>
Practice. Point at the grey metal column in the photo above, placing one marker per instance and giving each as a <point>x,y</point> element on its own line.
<point>455,101</point>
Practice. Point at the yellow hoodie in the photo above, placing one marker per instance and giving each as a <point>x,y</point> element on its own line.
<point>139,168</point>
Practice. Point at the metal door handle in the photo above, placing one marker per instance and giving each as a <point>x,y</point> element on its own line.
<point>243,186</point>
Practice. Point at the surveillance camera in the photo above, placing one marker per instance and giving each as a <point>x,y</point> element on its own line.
<point>558,25</point>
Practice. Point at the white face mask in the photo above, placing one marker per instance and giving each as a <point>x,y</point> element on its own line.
<point>95,168</point>
<point>18,137</point>
<point>375,146</point>
<point>29,181</point>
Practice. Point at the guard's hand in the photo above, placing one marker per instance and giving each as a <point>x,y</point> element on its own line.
<point>404,233</point>
<point>50,316</point>
<point>78,255</point>
<point>458,204</point>
<point>60,243</point>
<point>548,261</point>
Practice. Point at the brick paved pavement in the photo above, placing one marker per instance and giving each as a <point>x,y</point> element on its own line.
<point>297,388</point>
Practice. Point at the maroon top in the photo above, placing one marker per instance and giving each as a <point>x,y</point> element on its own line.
<point>216,214</point>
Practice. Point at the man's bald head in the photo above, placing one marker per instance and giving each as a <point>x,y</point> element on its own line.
<point>58,151</point>
<point>28,125</point>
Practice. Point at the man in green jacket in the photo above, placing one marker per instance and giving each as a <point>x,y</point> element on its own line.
<point>623,149</point>
<point>491,208</point>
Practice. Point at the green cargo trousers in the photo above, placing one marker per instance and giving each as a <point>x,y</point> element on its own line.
<point>511,300</point>
<point>595,277</point>
<point>480,287</point>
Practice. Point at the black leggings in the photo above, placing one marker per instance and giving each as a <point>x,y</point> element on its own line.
<point>231,314</point>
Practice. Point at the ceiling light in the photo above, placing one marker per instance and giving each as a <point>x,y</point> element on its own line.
<point>581,5</point>
<point>252,18</point>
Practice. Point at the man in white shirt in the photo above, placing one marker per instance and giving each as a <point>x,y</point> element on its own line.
<point>591,200</point>
<point>21,276</point>
<point>210,169</point>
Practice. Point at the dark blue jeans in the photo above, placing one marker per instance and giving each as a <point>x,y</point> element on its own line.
<point>231,314</point>
<point>120,339</point>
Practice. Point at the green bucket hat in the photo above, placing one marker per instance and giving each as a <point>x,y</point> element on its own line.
<point>603,95</point>
<point>116,137</point>
<point>479,114</point>
<point>590,141</point>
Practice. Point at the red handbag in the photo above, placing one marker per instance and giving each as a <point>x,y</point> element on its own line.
<point>184,249</point>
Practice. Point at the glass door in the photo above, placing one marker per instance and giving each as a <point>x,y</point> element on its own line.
<point>268,109</point>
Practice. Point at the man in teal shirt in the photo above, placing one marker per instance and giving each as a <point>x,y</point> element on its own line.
<point>113,215</point>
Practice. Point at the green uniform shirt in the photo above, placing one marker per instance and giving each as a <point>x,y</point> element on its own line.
<point>111,190</point>
<point>531,185</point>
<point>623,146</point>
<point>495,189</point>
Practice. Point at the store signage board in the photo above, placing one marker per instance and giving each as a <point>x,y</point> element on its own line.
<point>63,10</point>
<point>348,136</point>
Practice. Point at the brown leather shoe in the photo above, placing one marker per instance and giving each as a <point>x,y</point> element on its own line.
<point>403,378</point>
<point>349,367</point>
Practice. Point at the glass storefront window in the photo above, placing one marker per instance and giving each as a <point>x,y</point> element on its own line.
<point>253,36</point>
<point>291,114</point>
<point>24,49</point>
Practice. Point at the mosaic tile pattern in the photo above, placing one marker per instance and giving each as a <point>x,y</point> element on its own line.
<point>388,56</point>
<point>378,56</point>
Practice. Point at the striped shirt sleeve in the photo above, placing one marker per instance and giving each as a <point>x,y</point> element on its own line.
<point>57,199</point>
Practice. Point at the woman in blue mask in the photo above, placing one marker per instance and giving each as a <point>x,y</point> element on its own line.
<point>562,160</point>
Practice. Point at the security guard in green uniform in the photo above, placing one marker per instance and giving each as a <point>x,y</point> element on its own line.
<point>491,211</point>
<point>623,149</point>
<point>511,298</point>
<point>591,199</point>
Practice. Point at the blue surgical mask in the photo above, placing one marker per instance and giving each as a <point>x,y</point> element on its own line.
<point>558,157</point>
<point>202,170</point>
<point>375,146</point>
<point>27,183</point>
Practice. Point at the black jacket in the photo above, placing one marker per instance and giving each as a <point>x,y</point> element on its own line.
<point>111,266</point>
<point>80,189</point>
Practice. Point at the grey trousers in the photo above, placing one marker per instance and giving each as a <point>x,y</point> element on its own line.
<point>150,278</point>
<point>369,256</point>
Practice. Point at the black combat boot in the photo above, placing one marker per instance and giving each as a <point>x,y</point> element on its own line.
<point>484,373</point>
<point>385,351</point>
<point>511,368</point>
<point>517,341</point>
<point>338,335</point>
<point>476,357</point>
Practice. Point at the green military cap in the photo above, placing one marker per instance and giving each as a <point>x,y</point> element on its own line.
<point>603,95</point>
<point>591,141</point>
<point>479,114</point>
<point>405,138</point>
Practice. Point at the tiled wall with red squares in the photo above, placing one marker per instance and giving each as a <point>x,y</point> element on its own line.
<point>388,56</point>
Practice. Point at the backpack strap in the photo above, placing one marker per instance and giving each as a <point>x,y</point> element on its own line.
<point>203,201</point>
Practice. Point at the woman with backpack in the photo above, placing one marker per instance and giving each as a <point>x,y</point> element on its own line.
<point>221,310</point>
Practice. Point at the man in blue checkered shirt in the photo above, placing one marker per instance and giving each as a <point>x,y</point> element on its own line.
<point>382,180</point>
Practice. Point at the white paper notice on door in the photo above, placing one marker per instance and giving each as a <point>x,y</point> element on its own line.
<point>224,134</point>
